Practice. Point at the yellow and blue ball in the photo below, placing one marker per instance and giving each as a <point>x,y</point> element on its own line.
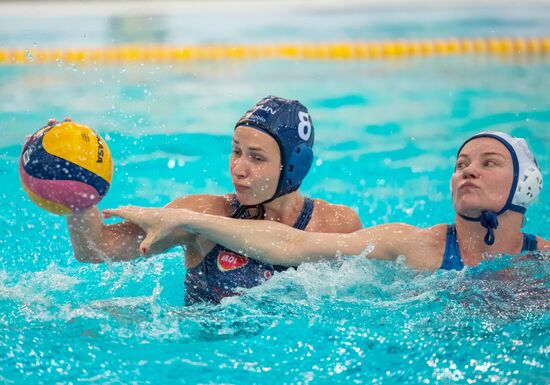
<point>66,167</point>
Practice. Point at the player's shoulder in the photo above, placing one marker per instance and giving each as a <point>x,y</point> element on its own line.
<point>335,218</point>
<point>204,203</point>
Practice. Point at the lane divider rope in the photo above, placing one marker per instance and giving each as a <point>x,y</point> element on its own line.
<point>314,51</point>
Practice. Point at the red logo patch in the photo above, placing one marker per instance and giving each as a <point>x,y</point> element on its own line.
<point>231,261</point>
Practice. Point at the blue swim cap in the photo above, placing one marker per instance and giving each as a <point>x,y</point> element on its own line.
<point>288,122</point>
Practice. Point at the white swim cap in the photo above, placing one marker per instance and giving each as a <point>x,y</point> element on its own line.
<point>526,186</point>
<point>527,183</point>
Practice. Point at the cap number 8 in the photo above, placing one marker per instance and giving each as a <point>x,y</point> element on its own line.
<point>304,128</point>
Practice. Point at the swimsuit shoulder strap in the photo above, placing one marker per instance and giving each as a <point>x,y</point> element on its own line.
<point>234,202</point>
<point>529,242</point>
<point>452,260</point>
<point>305,215</point>
<point>239,211</point>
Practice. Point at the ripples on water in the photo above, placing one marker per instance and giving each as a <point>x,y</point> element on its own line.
<point>355,320</point>
<point>386,136</point>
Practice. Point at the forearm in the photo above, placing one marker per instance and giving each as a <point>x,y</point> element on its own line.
<point>267,241</point>
<point>85,230</point>
<point>95,242</point>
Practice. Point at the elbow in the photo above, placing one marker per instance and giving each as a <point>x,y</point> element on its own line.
<point>87,251</point>
<point>83,257</point>
<point>87,257</point>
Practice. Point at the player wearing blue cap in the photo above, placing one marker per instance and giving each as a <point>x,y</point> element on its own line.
<point>496,177</point>
<point>272,151</point>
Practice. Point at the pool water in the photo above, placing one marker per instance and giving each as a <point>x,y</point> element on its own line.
<point>386,137</point>
<point>384,145</point>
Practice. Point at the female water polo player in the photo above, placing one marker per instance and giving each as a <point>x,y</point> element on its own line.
<point>272,153</point>
<point>496,177</point>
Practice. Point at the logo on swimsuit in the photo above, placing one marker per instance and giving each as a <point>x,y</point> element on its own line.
<point>231,261</point>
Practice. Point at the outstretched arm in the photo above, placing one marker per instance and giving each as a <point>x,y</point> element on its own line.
<point>278,244</point>
<point>275,243</point>
<point>268,241</point>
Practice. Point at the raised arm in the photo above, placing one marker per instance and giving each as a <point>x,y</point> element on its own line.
<point>95,242</point>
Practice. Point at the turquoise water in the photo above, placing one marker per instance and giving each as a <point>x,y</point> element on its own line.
<point>386,136</point>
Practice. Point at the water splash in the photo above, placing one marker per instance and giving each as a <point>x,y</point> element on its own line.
<point>343,321</point>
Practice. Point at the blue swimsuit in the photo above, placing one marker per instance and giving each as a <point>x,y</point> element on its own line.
<point>452,259</point>
<point>222,271</point>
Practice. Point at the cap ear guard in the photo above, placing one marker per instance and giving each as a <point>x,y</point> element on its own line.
<point>299,163</point>
<point>529,187</point>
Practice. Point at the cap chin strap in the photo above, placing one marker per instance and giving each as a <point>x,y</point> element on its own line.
<point>242,209</point>
<point>239,211</point>
<point>489,220</point>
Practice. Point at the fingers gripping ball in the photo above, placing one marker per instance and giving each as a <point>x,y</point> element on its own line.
<point>65,167</point>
